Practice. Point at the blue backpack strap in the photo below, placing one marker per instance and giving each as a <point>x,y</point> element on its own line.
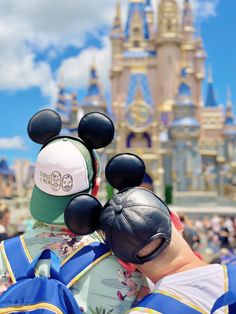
<point>82,261</point>
<point>164,304</point>
<point>16,258</point>
<point>229,298</point>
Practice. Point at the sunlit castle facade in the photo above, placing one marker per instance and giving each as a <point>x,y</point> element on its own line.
<point>157,73</point>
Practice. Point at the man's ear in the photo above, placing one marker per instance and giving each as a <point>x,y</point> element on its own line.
<point>176,221</point>
<point>96,187</point>
<point>128,266</point>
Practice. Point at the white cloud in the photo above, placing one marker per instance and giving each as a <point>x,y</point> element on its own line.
<point>31,26</point>
<point>15,142</point>
<point>74,72</point>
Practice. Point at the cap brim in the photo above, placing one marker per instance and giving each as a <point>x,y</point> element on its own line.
<point>48,208</point>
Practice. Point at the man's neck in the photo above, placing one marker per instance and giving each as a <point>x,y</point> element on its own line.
<point>178,265</point>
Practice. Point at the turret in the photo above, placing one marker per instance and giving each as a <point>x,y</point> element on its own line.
<point>230,133</point>
<point>188,22</point>
<point>117,32</point>
<point>185,132</point>
<point>210,98</point>
<point>94,99</point>
<point>74,112</point>
<point>137,27</point>
<point>229,118</point>
<point>62,105</point>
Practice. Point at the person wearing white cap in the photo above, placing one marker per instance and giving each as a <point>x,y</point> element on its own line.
<point>66,169</point>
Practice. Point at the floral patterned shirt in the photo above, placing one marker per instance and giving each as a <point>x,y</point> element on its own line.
<point>106,288</point>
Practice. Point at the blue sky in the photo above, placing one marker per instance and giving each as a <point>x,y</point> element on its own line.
<point>43,42</point>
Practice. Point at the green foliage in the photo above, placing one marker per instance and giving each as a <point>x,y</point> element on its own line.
<point>100,310</point>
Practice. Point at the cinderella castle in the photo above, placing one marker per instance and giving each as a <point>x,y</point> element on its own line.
<point>187,140</point>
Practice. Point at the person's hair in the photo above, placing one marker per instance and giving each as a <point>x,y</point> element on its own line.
<point>150,248</point>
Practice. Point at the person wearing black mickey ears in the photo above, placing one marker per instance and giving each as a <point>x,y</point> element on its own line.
<point>66,170</point>
<point>145,235</point>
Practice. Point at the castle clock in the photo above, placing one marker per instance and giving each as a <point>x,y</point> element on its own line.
<point>139,116</point>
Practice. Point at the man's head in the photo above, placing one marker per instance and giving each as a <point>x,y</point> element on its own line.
<point>66,166</point>
<point>137,225</point>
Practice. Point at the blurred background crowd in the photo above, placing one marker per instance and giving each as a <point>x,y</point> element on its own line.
<point>212,237</point>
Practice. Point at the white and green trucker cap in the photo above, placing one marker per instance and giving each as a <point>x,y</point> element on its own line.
<point>64,167</point>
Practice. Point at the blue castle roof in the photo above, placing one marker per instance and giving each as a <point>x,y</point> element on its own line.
<point>139,80</point>
<point>140,8</point>
<point>229,121</point>
<point>210,98</point>
<point>4,168</point>
<point>93,88</point>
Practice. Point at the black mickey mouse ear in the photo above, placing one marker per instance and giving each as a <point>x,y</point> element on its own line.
<point>82,214</point>
<point>43,126</point>
<point>96,129</point>
<point>125,171</point>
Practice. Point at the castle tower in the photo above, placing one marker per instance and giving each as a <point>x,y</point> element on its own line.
<point>212,141</point>
<point>230,140</point>
<point>74,113</point>
<point>185,132</point>
<point>133,78</point>
<point>229,118</point>
<point>199,70</point>
<point>62,106</point>
<point>168,59</point>
<point>94,99</point>
<point>117,33</point>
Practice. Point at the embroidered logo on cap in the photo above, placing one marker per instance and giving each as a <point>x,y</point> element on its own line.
<point>56,181</point>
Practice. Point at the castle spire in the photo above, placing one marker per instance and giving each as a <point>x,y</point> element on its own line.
<point>229,118</point>
<point>137,27</point>
<point>61,98</point>
<point>117,25</point>
<point>62,104</point>
<point>94,96</point>
<point>210,98</point>
<point>188,21</point>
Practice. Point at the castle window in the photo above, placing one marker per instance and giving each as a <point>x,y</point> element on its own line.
<point>136,44</point>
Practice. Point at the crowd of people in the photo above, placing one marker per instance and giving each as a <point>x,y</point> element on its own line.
<point>214,237</point>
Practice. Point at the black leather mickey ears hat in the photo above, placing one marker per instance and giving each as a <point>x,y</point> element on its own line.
<point>96,129</point>
<point>134,217</point>
<point>131,220</point>
<point>125,171</point>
